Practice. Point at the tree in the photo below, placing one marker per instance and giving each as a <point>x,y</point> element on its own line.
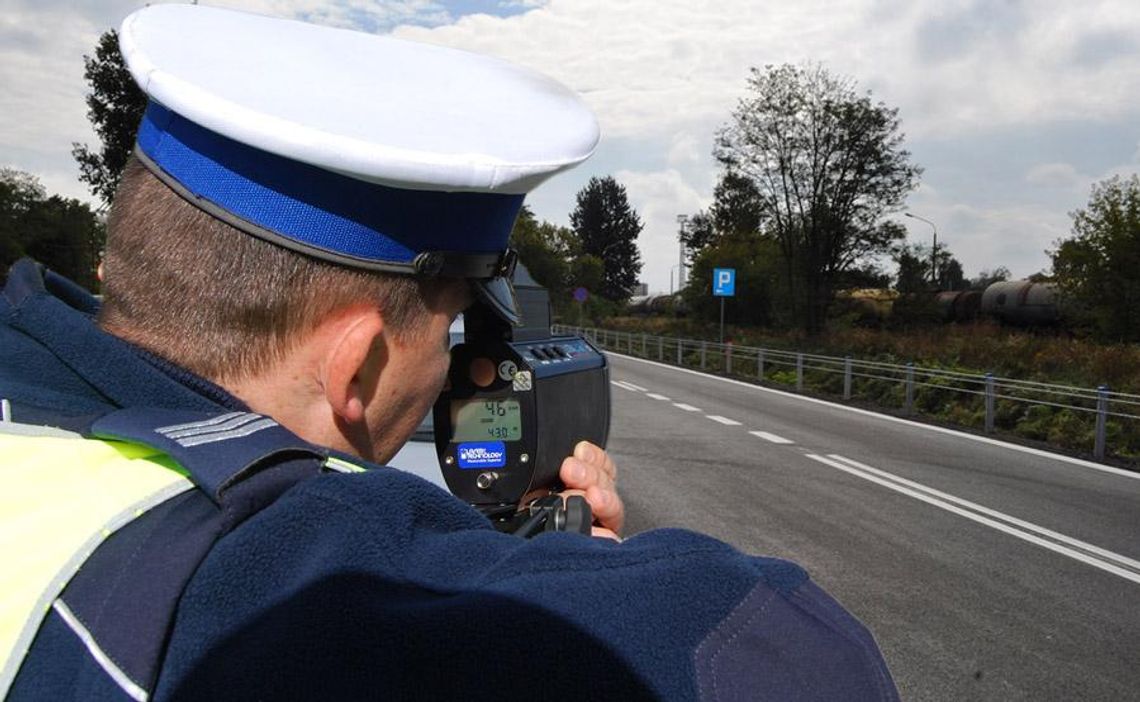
<point>827,165</point>
<point>914,270</point>
<point>986,278</point>
<point>607,227</point>
<point>738,208</point>
<point>115,107</point>
<point>62,233</point>
<point>758,301</point>
<point>949,274</point>
<point>544,249</point>
<point>20,193</point>
<point>587,271</point>
<point>699,232</point>
<point>736,211</point>
<point>1097,267</point>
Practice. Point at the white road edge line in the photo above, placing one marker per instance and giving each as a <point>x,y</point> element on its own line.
<point>1124,560</point>
<point>687,408</point>
<point>655,396</point>
<point>623,386</point>
<point>899,420</point>
<point>993,524</point>
<point>771,437</point>
<point>723,420</point>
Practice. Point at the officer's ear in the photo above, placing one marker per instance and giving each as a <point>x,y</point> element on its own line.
<point>355,354</point>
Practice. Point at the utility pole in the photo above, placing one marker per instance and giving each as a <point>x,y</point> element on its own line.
<point>682,221</point>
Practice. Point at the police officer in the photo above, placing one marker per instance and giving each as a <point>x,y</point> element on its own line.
<point>189,499</point>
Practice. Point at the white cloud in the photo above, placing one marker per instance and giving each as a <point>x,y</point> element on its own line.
<point>664,74</point>
<point>658,198</point>
<point>1055,175</point>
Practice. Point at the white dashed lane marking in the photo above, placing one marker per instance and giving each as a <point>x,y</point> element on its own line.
<point>635,387</point>
<point>655,396</point>
<point>625,386</point>
<point>687,408</point>
<point>723,420</point>
<point>771,437</point>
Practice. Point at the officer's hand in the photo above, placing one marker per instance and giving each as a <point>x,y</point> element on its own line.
<point>590,472</point>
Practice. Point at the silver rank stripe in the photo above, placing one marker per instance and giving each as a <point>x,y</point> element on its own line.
<point>227,426</point>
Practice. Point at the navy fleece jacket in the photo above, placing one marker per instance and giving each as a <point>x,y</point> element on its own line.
<point>379,585</point>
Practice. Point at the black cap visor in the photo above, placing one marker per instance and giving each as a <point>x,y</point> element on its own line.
<point>499,294</point>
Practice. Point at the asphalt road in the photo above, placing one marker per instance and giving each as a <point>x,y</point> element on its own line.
<point>985,571</point>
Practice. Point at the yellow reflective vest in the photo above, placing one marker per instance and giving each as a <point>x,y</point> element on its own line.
<point>61,496</point>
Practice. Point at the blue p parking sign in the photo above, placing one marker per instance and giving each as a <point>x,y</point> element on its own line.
<point>724,282</point>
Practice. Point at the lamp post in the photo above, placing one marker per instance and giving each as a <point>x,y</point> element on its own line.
<point>934,251</point>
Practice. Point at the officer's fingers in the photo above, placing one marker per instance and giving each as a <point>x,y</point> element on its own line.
<point>607,507</point>
<point>595,456</point>
<point>579,475</point>
<point>603,533</point>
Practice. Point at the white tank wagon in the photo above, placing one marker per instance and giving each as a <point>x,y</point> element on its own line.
<point>1022,302</point>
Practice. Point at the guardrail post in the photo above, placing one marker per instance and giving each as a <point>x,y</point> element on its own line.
<point>990,403</point>
<point>680,347</point>
<point>799,371</point>
<point>846,377</point>
<point>660,348</point>
<point>760,364</point>
<point>909,387</point>
<point>704,349</point>
<point>728,359</point>
<point>1101,421</point>
<point>644,345</point>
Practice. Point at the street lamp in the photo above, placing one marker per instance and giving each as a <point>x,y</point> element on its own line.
<point>934,251</point>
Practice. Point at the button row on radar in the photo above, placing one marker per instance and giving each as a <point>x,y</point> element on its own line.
<point>549,353</point>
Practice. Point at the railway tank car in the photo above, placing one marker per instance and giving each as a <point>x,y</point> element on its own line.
<point>1022,303</point>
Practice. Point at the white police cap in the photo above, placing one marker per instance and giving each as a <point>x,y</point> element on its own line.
<point>367,151</point>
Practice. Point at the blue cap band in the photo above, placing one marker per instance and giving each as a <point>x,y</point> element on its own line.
<point>323,213</point>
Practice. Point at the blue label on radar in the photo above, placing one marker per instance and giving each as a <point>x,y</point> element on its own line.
<point>483,454</point>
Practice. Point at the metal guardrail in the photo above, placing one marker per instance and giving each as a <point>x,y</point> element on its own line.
<point>859,377</point>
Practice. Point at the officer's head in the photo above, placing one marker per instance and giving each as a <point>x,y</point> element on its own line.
<point>308,208</point>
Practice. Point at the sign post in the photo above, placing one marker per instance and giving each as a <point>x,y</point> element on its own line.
<point>724,285</point>
<point>580,295</point>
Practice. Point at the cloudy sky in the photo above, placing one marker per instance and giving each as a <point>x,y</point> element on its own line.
<point>1013,107</point>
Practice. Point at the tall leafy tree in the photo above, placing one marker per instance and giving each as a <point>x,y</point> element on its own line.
<point>607,227</point>
<point>62,233</point>
<point>949,274</point>
<point>738,208</point>
<point>827,165</point>
<point>698,233</point>
<point>20,194</point>
<point>115,107</point>
<point>736,211</point>
<point>914,270</point>
<point>544,249</point>
<point>1097,267</point>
